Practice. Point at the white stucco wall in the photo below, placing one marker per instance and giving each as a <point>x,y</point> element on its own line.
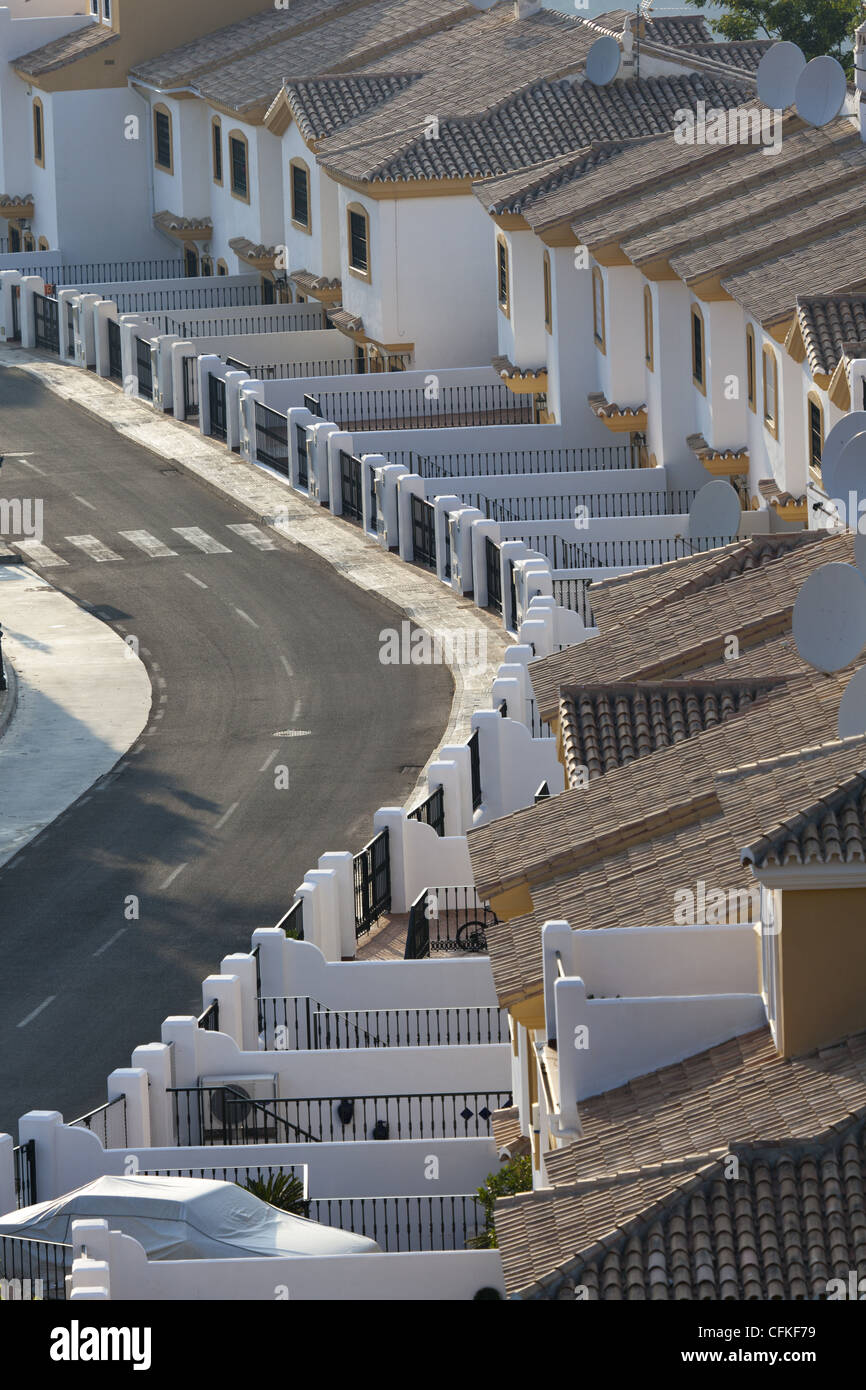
<point>24,26</point>
<point>319,249</point>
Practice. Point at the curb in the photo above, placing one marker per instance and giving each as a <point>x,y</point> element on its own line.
<point>10,703</point>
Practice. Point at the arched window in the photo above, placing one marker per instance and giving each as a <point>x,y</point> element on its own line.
<point>299,175</point>
<point>239,159</point>
<point>598,328</point>
<point>207,265</point>
<point>358,234</point>
<point>699,351</point>
<point>216,135</point>
<point>163,153</point>
<point>190,256</point>
<point>751,369</point>
<point>43,244</point>
<point>771,391</point>
<point>815,412</point>
<point>648,331</point>
<point>38,132</point>
<point>222,268</point>
<point>548,294</point>
<point>29,242</point>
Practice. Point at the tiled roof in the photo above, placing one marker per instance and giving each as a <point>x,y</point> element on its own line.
<point>744,54</point>
<point>830,831</point>
<point>65,50</point>
<point>172,222</point>
<point>507,1134</point>
<point>324,105</point>
<point>677,30</point>
<point>516,191</point>
<point>830,264</point>
<point>828,323</point>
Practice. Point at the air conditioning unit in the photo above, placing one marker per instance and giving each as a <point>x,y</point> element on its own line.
<point>238,1106</point>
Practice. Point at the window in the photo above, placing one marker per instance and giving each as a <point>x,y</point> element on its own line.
<point>598,330</point>
<point>162,139</point>
<point>751,369</point>
<point>217,143</point>
<point>14,238</point>
<point>222,268</point>
<point>648,331</point>
<point>29,242</point>
<point>38,133</point>
<point>771,392</point>
<point>207,265</point>
<point>43,244</point>
<point>239,166</point>
<point>106,11</point>
<point>359,241</point>
<point>548,294</point>
<point>360,359</point>
<point>300,194</point>
<point>502,286</point>
<point>190,256</point>
<point>94,7</point>
<point>699,364</point>
<point>816,431</point>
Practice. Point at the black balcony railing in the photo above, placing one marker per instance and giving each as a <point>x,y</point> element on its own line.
<point>302,1023</point>
<point>452,921</point>
<point>33,1270</point>
<point>432,811</point>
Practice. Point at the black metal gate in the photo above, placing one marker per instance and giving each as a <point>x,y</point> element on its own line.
<point>372,872</point>
<point>350,486</point>
<point>303,456</point>
<point>272,438</point>
<point>190,387</point>
<point>70,328</point>
<point>423,532</point>
<point>217,399</point>
<point>115,355</point>
<point>24,1159</point>
<point>47,322</point>
<point>475,769</point>
<point>512,591</point>
<point>144,368</point>
<point>374,502</point>
<point>16,314</point>
<point>494,575</point>
<point>314,405</point>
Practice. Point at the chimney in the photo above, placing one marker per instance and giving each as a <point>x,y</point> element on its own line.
<point>860,75</point>
<point>524,8</point>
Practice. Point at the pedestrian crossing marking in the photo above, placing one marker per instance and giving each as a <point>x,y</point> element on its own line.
<point>201,540</point>
<point>252,534</point>
<point>93,548</point>
<point>156,549</point>
<point>40,554</point>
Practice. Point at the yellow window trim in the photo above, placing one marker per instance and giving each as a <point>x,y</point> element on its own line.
<point>38,133</point>
<point>308,225</point>
<point>814,399</point>
<point>648,329</point>
<point>700,385</point>
<point>771,418</point>
<point>365,275</point>
<point>216,128</point>
<point>751,370</point>
<point>43,244</point>
<point>599,329</point>
<point>503,259</point>
<point>239,136</point>
<point>162,109</point>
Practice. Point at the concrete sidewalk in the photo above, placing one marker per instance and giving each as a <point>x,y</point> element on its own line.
<point>83,698</point>
<point>418,594</point>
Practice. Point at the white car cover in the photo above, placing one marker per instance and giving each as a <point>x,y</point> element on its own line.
<point>184,1219</point>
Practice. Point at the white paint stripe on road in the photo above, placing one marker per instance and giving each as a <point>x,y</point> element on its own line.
<point>246,617</point>
<point>93,548</point>
<point>34,466</point>
<point>267,764</point>
<point>110,942</point>
<point>224,817</point>
<point>286,667</point>
<point>201,540</point>
<point>199,582</point>
<point>172,876</point>
<point>156,549</point>
<point>84,502</point>
<point>253,535</point>
<point>36,1012</point>
<point>297,710</point>
<point>40,554</point>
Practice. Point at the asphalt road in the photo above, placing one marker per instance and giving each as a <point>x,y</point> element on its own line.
<point>246,647</point>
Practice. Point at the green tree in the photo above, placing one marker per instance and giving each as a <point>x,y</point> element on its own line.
<point>816,26</point>
<point>512,1177</point>
<point>282,1190</point>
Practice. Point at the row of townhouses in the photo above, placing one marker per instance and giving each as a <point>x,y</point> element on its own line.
<point>510,323</point>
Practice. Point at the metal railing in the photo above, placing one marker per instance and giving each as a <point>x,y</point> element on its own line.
<point>564,507</point>
<point>432,811</point>
<point>46,322</point>
<point>538,726</point>
<point>574,594</point>
<point>209,1115</point>
<point>189,297</point>
<point>293,922</point>
<point>242,1174</point>
<point>409,407</point>
<point>294,371</point>
<point>372,879</point>
<point>302,1023</point>
<point>107,1122</point>
<point>431,1222</point>
<point>109,272</point>
<point>209,1021</point>
<point>475,769</point>
<point>272,438</point>
<point>329,1119</point>
<point>33,1270</point>
<point>451,921</point>
<point>615,554</point>
<point>494,575</point>
<point>498,463</point>
<point>24,1162</point>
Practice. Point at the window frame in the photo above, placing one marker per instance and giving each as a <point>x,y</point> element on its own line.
<point>38,132</point>
<point>237,136</point>
<point>648,329</point>
<point>216,151</point>
<point>503,275</point>
<point>814,402</point>
<point>302,166</point>
<point>696,318</point>
<point>222,267</point>
<point>360,211</point>
<point>43,244</point>
<point>191,251</point>
<point>751,370</point>
<point>547,280</point>
<point>771,421</point>
<point>599,316</point>
<point>160,109</point>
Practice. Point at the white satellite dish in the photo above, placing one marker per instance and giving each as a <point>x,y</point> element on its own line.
<point>821,90</point>
<point>715,512</point>
<point>860,552</point>
<point>830,617</point>
<point>602,61</point>
<point>852,709</point>
<point>839,436</point>
<point>778,72</point>
<point>850,480</point>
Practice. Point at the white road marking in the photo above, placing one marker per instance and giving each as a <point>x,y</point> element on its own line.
<point>246,617</point>
<point>93,548</point>
<point>199,582</point>
<point>224,817</point>
<point>172,876</point>
<point>201,540</point>
<point>156,549</point>
<point>253,535</point>
<point>110,942</point>
<point>40,554</point>
<point>84,502</point>
<point>296,711</point>
<point>286,667</point>
<point>34,466</point>
<point>270,759</point>
<point>36,1012</point>
<point>293,733</point>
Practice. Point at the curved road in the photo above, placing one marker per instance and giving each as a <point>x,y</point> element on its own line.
<point>246,645</point>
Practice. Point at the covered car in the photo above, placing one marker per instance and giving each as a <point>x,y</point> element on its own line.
<point>184,1219</point>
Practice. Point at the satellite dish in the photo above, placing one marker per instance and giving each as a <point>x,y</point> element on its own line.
<point>821,90</point>
<point>602,61</point>
<point>839,436</point>
<point>830,617</point>
<point>850,480</point>
<point>778,72</point>
<point>852,710</point>
<point>715,512</point>
<point>860,552</point>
